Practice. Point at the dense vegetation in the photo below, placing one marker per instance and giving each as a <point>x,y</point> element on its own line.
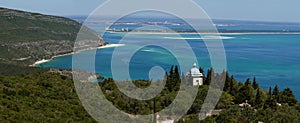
<point>11,70</point>
<point>50,97</point>
<point>26,37</point>
<point>259,104</point>
<point>19,26</point>
<point>40,97</point>
<point>31,94</point>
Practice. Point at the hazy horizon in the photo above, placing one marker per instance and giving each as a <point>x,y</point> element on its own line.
<point>255,10</point>
<point>214,19</point>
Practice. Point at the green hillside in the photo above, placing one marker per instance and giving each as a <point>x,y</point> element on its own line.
<point>26,37</point>
<point>40,97</point>
<point>50,97</point>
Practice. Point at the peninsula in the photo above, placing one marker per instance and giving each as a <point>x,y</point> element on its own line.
<point>29,37</point>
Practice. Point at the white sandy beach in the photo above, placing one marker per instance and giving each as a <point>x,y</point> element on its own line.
<point>111,46</point>
<point>101,47</point>
<point>40,62</point>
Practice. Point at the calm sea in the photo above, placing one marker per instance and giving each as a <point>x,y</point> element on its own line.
<point>274,59</point>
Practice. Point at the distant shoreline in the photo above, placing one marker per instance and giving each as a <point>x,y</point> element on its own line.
<point>71,53</point>
<point>222,33</point>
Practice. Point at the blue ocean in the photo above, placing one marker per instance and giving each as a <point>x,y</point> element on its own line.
<point>273,58</point>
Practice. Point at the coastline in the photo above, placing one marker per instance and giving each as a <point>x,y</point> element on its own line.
<point>71,53</point>
<point>220,33</point>
<point>110,46</point>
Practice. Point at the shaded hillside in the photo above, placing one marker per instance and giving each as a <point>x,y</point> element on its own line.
<point>26,37</point>
<point>40,97</point>
<point>11,70</point>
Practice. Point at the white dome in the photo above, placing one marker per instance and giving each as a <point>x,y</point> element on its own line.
<point>195,71</point>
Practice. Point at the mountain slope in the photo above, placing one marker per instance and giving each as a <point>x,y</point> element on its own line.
<point>26,37</point>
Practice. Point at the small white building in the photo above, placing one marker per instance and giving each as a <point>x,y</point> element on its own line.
<point>195,76</point>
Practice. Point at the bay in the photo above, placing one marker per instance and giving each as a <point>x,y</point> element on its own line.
<point>274,59</point>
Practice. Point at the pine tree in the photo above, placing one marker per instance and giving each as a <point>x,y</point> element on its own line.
<point>227,82</point>
<point>169,81</point>
<point>166,77</point>
<point>276,93</point>
<point>258,98</point>
<point>248,82</point>
<point>231,88</point>
<point>246,92</point>
<point>176,74</point>
<point>201,70</point>
<point>255,84</point>
<point>208,77</point>
<point>171,71</point>
<point>176,79</point>
<point>173,81</point>
<point>287,96</point>
<point>270,102</point>
<point>270,91</point>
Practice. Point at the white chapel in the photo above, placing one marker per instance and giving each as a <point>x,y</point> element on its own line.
<point>195,76</point>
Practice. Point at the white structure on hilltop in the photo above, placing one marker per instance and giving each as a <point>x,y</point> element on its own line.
<point>195,76</point>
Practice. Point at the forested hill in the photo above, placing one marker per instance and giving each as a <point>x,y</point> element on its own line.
<point>26,37</point>
<point>40,97</point>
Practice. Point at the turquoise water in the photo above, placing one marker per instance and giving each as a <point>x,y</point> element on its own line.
<point>272,58</point>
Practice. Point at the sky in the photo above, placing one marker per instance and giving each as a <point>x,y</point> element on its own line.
<point>260,10</point>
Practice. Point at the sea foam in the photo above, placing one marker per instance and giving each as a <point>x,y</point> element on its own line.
<point>200,38</point>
